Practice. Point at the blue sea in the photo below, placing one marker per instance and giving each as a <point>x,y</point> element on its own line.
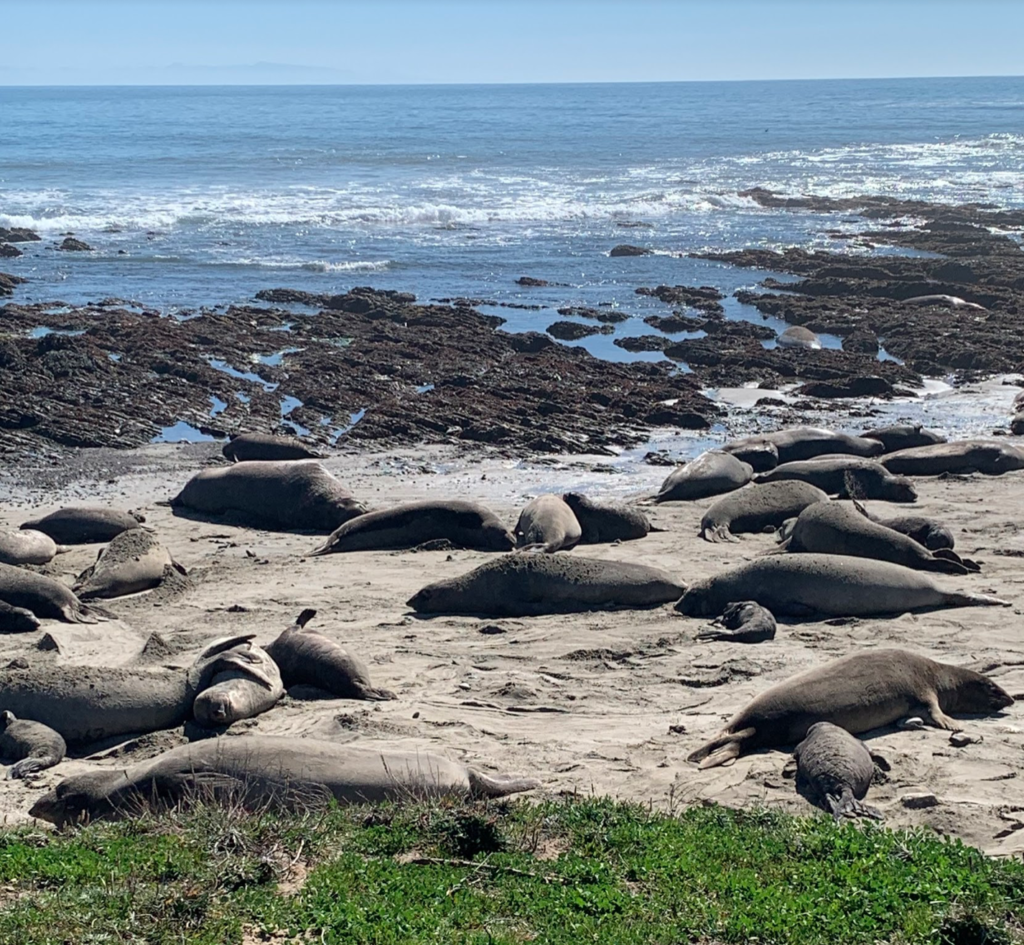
<point>200,196</point>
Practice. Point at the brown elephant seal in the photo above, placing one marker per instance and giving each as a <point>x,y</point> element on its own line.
<point>742,622</point>
<point>26,546</point>
<point>903,436</point>
<point>265,447</point>
<point>85,525</point>
<point>823,585</point>
<point>960,456</point>
<point>465,524</point>
<point>264,770</point>
<point>246,683</point>
<point>858,693</point>
<point>796,336</point>
<point>836,528</point>
<point>834,771</point>
<point>17,619</point>
<point>838,475</point>
<point>605,522</point>
<point>307,657</point>
<point>547,524</point>
<point>925,531</point>
<point>531,585</point>
<point>299,495</point>
<point>44,596</point>
<point>134,561</point>
<point>757,452</point>
<point>31,746</point>
<point>757,507</point>
<point>711,473</point>
<point>800,443</point>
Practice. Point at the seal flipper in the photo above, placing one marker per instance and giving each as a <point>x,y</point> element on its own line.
<point>482,785</point>
<point>30,766</point>
<point>723,749</point>
<point>374,694</point>
<point>948,554</point>
<point>846,805</point>
<point>718,533</point>
<point>954,599</point>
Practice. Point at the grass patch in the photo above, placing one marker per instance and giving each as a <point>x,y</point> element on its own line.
<point>559,872</point>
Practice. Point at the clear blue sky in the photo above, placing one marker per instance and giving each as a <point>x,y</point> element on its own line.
<point>59,42</point>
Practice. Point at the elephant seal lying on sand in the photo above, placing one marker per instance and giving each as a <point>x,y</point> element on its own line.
<point>757,507</point>
<point>27,546</point>
<point>17,619</point>
<point>837,475</point>
<point>247,682</point>
<point>809,585</point>
<point>261,770</point>
<point>530,585</point>
<point>134,561</point>
<point>711,473</point>
<point>960,456</point>
<point>903,437</point>
<point>32,746</point>
<point>802,443</point>
<point>298,495</point>
<point>834,771</point>
<point>859,692</point>
<point>607,522</point>
<point>85,525</point>
<point>742,622</point>
<point>264,447</point>
<point>44,596</point>
<point>757,452</point>
<point>547,524</point>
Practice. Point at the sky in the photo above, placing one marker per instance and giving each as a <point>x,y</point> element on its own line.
<point>149,42</point>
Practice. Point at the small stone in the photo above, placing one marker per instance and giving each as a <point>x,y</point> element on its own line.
<point>677,729</point>
<point>919,801</point>
<point>962,739</point>
<point>913,724</point>
<point>492,628</point>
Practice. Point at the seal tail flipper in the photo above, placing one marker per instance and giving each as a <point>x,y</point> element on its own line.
<point>482,785</point>
<point>90,613</point>
<point>375,694</point>
<point>944,565</point>
<point>324,549</point>
<point>954,599</point>
<point>717,533</point>
<point>722,749</point>
<point>846,805</point>
<point>948,554</point>
<point>30,766</point>
<point>305,617</point>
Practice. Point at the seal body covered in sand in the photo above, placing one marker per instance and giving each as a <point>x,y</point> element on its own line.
<point>711,473</point>
<point>547,524</point>
<point>530,585</point>
<point>838,474</point>
<point>858,693</point>
<point>84,525</point>
<point>32,746</point>
<point>247,682</point>
<point>265,447</point>
<point>26,546</point>
<point>44,596</point>
<point>263,770</point>
<point>133,561</point>
<point>960,456</point>
<point>756,507</point>
<point>834,771</point>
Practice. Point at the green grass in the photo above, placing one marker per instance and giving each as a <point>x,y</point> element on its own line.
<point>561,872</point>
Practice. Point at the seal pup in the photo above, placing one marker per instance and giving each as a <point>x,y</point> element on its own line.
<point>27,546</point>
<point>834,771</point>
<point>531,585</point>
<point>925,531</point>
<point>605,522</point>
<point>134,561</point>
<point>800,443</point>
<point>299,495</point>
<point>465,524</point>
<point>246,683</point>
<point>903,436</point>
<point>858,693</point>
<point>960,456</point>
<point>265,447</point>
<point>547,524</point>
<point>44,596</point>
<point>808,585</point>
<point>306,657</point>
<point>838,475</point>
<point>756,507</point>
<point>760,454</point>
<point>264,770</point>
<point>742,622</point>
<point>85,525</point>
<point>711,473</point>
<point>796,336</point>
<point>17,619</point>
<point>32,746</point>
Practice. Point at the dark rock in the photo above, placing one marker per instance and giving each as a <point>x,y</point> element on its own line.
<point>7,251</point>
<point>854,387</point>
<point>18,234</point>
<point>675,323</point>
<point>529,342</point>
<point>706,298</point>
<point>72,245</point>
<point>608,317</point>
<point>530,281</point>
<point>861,341</point>
<point>296,296</point>
<point>573,331</point>
<point>643,343</point>
<point>624,249</point>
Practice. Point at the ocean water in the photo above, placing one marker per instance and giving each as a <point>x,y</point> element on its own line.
<point>201,196</point>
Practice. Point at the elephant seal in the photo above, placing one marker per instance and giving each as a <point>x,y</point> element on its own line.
<point>246,683</point>
<point>604,522</point>
<point>531,585</point>
<point>26,546</point>
<point>742,622</point>
<point>263,770</point>
<point>85,525</point>
<point>800,443</point>
<point>757,507</point>
<point>547,524</point>
<point>838,475</point>
<point>925,531</point>
<point>757,452</point>
<point>903,436</point>
<point>466,524</point>
<point>264,447</point>
<point>711,473</point>
<point>808,585</point>
<point>834,771</point>
<point>282,496</point>
<point>836,528</point>
<point>134,561</point>
<point>307,657</point>
<point>950,301</point>
<point>32,746</point>
<point>960,456</point>
<point>44,596</point>
<point>796,336</point>
<point>17,619</point>
<point>858,693</point>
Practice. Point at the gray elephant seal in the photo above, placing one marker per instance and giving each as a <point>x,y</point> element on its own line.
<point>298,495</point>
<point>837,475</point>
<point>17,619</point>
<point>711,473</point>
<point>903,436</point>
<point>264,447</point>
<point>951,301</point>
<point>531,585</point>
<point>264,770</point>
<point>246,683</point>
<point>306,657</point>
<point>834,771</point>
<point>757,507</point>
<point>839,529</point>
<point>960,456</point>
<point>858,693</point>
<point>802,443</point>
<point>742,622</point>
<point>547,524</point>
<point>466,524</point>
<point>809,585</point>
<point>760,454</point>
<point>84,525</point>
<point>925,531</point>
<point>134,561</point>
<point>44,596</point>
<point>796,336</point>
<point>26,546</point>
<point>33,747</point>
<point>603,522</point>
